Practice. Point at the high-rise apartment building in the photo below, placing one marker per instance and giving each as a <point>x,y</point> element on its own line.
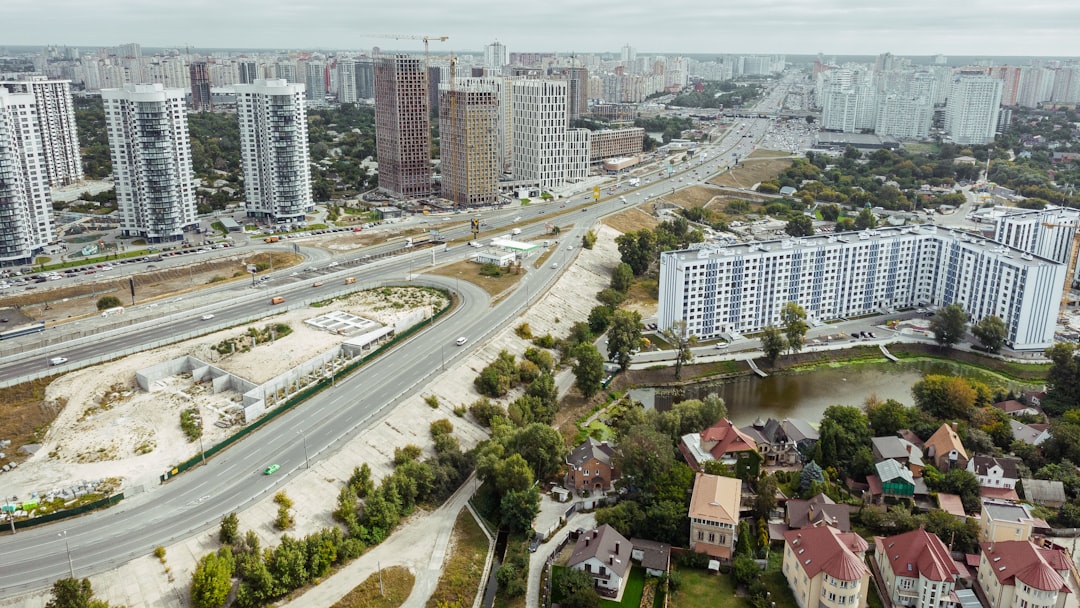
<point>346,81</point>
<point>249,71</point>
<point>577,96</point>
<point>545,150</point>
<point>742,288</point>
<point>1045,232</point>
<point>469,141</point>
<point>495,56</point>
<point>56,123</point>
<point>26,220</point>
<point>151,157</point>
<point>200,87</point>
<point>274,150</point>
<point>848,101</point>
<point>402,126</point>
<point>315,79</point>
<point>971,114</point>
<point>907,110</point>
<point>365,79</point>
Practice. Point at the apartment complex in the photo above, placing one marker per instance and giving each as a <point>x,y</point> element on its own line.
<point>402,126</point>
<point>545,151</point>
<point>824,568</point>
<point>916,569</point>
<point>151,157</point>
<point>1045,232</point>
<point>971,113</point>
<point>274,150</point>
<point>26,220</point>
<point>469,141</point>
<point>611,143</point>
<point>56,124</point>
<point>1018,573</point>
<point>734,289</point>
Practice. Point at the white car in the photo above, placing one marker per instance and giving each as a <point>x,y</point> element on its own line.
<point>721,345</point>
<point>554,264</point>
<point>207,317</point>
<point>57,360</point>
<point>461,340</point>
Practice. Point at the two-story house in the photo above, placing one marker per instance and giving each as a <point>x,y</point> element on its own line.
<point>916,569</point>
<point>1019,574</point>
<point>1000,521</point>
<point>824,568</point>
<point>899,449</point>
<point>994,472</point>
<point>590,467</point>
<point>1031,434</point>
<point>772,442</point>
<point>714,514</point>
<point>893,480</point>
<point>721,441</point>
<point>944,449</point>
<point>604,555</point>
<point>818,510</point>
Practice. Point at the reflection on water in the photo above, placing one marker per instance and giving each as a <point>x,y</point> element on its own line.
<point>806,394</point>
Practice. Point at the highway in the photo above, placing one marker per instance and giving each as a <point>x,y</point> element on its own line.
<point>196,500</point>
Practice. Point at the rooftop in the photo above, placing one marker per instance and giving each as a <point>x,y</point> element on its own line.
<point>716,498</point>
<point>825,549</point>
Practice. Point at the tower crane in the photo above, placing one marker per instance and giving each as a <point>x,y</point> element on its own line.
<point>426,39</point>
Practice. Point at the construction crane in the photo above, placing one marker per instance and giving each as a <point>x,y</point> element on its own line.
<point>426,39</point>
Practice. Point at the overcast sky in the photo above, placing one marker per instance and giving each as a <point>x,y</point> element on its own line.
<point>833,27</point>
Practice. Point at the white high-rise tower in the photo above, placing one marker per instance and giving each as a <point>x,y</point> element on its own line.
<point>56,121</point>
<point>971,114</point>
<point>151,157</point>
<point>274,150</point>
<point>545,150</point>
<point>26,220</point>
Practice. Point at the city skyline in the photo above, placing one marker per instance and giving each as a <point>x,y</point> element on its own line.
<point>779,26</point>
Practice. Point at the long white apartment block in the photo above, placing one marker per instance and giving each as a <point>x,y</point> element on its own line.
<point>274,150</point>
<point>26,218</point>
<point>1045,232</point>
<point>56,121</point>
<point>151,157</point>
<point>738,289</point>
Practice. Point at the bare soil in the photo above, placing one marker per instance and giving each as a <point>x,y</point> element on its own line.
<point>754,170</point>
<point>470,271</point>
<point>631,219</point>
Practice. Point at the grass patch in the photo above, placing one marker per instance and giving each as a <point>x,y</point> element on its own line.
<point>631,219</point>
<point>470,271</point>
<point>397,584</point>
<point>464,568</point>
<point>632,593</point>
<point>699,589</point>
<point>751,171</point>
<point>1020,372</point>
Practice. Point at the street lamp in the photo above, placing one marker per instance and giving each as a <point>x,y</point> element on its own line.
<point>307,463</point>
<point>71,568</point>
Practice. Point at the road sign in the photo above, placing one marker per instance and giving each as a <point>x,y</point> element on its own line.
<point>252,269</point>
<point>596,193</point>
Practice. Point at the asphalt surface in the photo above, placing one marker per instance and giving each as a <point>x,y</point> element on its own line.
<point>196,500</point>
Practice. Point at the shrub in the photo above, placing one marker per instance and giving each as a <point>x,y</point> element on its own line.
<point>484,410</point>
<point>523,331</point>
<point>545,341</point>
<point>107,302</point>
<point>491,270</point>
<point>407,453</point>
<point>441,427</point>
<point>432,401</point>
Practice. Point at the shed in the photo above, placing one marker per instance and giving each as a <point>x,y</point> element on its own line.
<point>230,224</point>
<point>655,557</point>
<point>1044,492</point>
<point>387,213</point>
<point>560,494</point>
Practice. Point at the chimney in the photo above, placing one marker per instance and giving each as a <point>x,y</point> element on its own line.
<point>954,425</point>
<point>586,541</point>
<point>611,560</point>
<point>616,547</point>
<point>908,448</point>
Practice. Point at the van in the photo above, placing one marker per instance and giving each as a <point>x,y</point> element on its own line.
<point>350,280</point>
<point>277,300</point>
<point>515,231</point>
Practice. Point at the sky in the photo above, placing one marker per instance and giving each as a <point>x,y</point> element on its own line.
<point>992,28</point>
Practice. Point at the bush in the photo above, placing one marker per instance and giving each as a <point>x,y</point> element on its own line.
<point>484,411</point>
<point>107,302</point>
<point>523,331</point>
<point>432,401</point>
<point>191,424</point>
<point>229,532</point>
<point>545,341</point>
<point>407,453</point>
<point>441,427</point>
<point>498,377</point>
<point>491,270</point>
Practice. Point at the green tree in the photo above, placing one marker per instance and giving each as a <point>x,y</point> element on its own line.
<point>887,417</point>
<point>74,593</point>
<point>229,532</point>
<point>865,220</point>
<point>624,337</point>
<point>212,579</point>
<point>682,341</point>
<point>948,325</point>
<point>844,429</point>
<point>649,454</point>
<point>829,213</point>
<point>611,297</point>
<point>588,240</point>
<point>574,587</point>
<point>845,224</point>
<point>107,302</point>
<point>622,277</point>
<point>599,319</point>
<point>637,249</point>
<point>945,397</point>
<point>793,320</point>
<point>496,379</point>
<point>588,368</point>
<point>800,225</point>
<point>542,447</point>
<point>519,509</point>
<point>1063,379</point>
<point>990,332</point>
<point>772,343</point>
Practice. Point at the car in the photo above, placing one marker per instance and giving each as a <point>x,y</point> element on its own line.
<point>721,345</point>
<point>872,335</point>
<point>57,360</point>
<point>461,340</point>
<point>207,317</point>
<point>317,284</point>
<point>331,264</point>
<point>270,470</point>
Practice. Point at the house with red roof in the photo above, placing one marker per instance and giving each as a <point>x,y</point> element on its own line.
<point>1017,573</point>
<point>916,569</point>
<point>824,568</point>
<point>724,442</point>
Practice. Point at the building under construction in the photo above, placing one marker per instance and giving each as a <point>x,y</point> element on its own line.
<point>403,126</point>
<point>469,141</point>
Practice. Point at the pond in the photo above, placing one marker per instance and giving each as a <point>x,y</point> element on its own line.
<point>806,394</point>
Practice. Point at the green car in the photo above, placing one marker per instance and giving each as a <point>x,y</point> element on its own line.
<point>270,470</point>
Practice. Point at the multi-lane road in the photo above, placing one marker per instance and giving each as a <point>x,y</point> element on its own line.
<point>196,500</point>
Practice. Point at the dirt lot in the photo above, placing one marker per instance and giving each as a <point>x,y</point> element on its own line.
<point>631,219</point>
<point>760,166</point>
<point>75,301</point>
<point>105,427</point>
<point>694,196</point>
<point>470,271</point>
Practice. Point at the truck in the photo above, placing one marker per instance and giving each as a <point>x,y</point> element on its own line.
<point>271,239</point>
<point>277,300</point>
<point>515,231</point>
<point>634,182</point>
<point>417,240</point>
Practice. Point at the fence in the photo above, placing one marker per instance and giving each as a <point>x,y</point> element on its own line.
<point>307,392</point>
<point>58,515</point>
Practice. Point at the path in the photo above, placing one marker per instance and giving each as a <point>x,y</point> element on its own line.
<point>420,544</point>
<point>536,560</point>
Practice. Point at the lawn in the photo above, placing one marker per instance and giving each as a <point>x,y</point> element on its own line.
<point>699,589</point>
<point>460,580</point>
<point>631,597</point>
<point>396,583</point>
